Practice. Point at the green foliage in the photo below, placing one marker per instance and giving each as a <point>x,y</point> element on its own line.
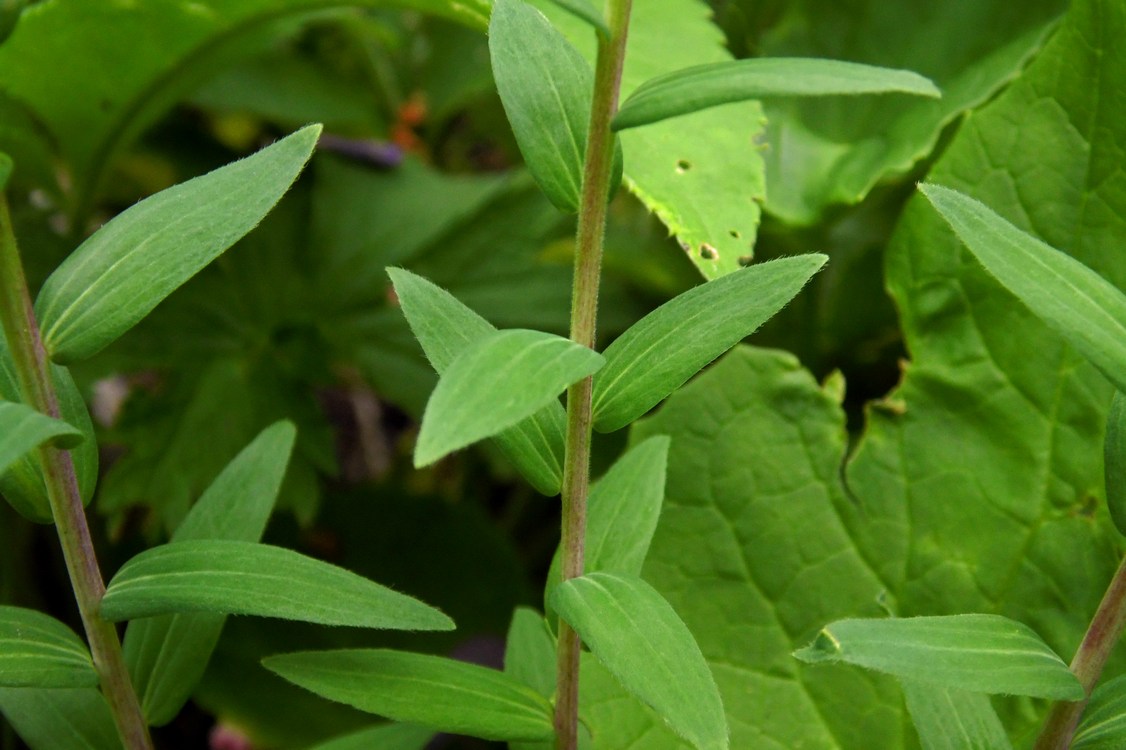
<point>60,717</point>
<point>978,653</point>
<point>1114,459</point>
<point>24,429</point>
<point>1104,722</point>
<point>41,652</point>
<point>442,693</point>
<point>693,89</point>
<point>233,577</point>
<point>952,719</point>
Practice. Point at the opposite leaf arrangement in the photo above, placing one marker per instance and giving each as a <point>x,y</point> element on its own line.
<point>503,386</point>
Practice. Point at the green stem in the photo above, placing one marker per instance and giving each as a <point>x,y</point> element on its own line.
<point>1103,632</point>
<point>38,390</point>
<point>584,313</point>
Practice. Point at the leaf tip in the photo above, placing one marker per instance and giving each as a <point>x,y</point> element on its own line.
<point>825,647</point>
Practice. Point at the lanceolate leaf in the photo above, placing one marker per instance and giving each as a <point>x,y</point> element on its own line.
<point>448,695</point>
<point>494,384</point>
<point>384,737</point>
<point>585,10</point>
<point>1103,726</point>
<point>529,651</point>
<point>167,655</point>
<point>1069,297</point>
<point>1114,461</point>
<point>545,86</point>
<point>22,484</point>
<point>23,429</point>
<point>977,653</point>
<point>622,513</point>
<point>257,579</point>
<point>703,86</point>
<point>949,719</point>
<point>39,651</point>
<point>141,256</point>
<point>636,634</point>
<point>54,718</point>
<point>667,347</point>
<point>445,327</point>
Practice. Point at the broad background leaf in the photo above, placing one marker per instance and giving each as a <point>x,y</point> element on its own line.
<point>443,693</point>
<point>256,579</point>
<point>117,276</point>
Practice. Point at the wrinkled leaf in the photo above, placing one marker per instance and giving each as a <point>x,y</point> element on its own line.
<point>636,634</point>
<point>257,579</point>
<point>38,651</point>
<point>496,382</point>
<point>700,87</point>
<point>1114,459</point>
<point>448,695</point>
<point>1069,297</point>
<point>55,718</point>
<point>1103,726</point>
<point>23,429</point>
<point>22,485</point>
<point>622,513</point>
<point>978,653</point>
<point>115,278</point>
<point>445,327</point>
<point>949,719</point>
<point>168,654</point>
<point>668,346</point>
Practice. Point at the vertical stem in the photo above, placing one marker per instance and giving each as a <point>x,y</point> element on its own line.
<point>1103,632</point>
<point>38,390</point>
<point>584,312</point>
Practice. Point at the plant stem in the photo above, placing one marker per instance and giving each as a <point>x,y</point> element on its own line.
<point>584,313</point>
<point>1103,632</point>
<point>38,390</point>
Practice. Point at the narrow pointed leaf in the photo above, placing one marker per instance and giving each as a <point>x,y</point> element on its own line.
<point>529,651</point>
<point>1114,460</point>
<point>167,655</point>
<point>585,10</point>
<point>1074,301</point>
<point>702,86</point>
<point>977,653</point>
<point>451,696</point>
<point>381,737</point>
<point>244,578</point>
<point>1103,726</point>
<point>56,718</point>
<point>6,161</point>
<point>115,278</point>
<point>445,327</point>
<point>22,483</point>
<point>949,719</point>
<point>671,344</point>
<point>23,429</point>
<point>495,383</point>
<point>545,86</point>
<point>39,651</point>
<point>636,634</point>
<point>622,513</point>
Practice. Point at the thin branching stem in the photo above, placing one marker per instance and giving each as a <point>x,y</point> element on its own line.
<point>584,312</point>
<point>1103,632</point>
<point>38,390</point>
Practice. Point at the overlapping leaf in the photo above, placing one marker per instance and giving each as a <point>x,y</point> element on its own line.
<point>954,719</point>
<point>38,651</point>
<point>52,718</point>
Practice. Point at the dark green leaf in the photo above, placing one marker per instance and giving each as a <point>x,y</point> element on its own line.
<point>622,513</point>
<point>977,653</point>
<point>39,651</point>
<point>445,327</point>
<point>1069,297</point>
<point>382,737</point>
<point>5,169</point>
<point>448,695</point>
<point>636,634</point>
<point>949,719</point>
<point>56,718</point>
<point>1103,726</point>
<point>23,429</point>
<point>115,278</point>
<point>167,654</point>
<point>256,579</point>
<point>22,484</point>
<point>1114,460</point>
<point>495,383</point>
<point>667,347</point>
<point>703,86</point>
<point>585,10</point>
